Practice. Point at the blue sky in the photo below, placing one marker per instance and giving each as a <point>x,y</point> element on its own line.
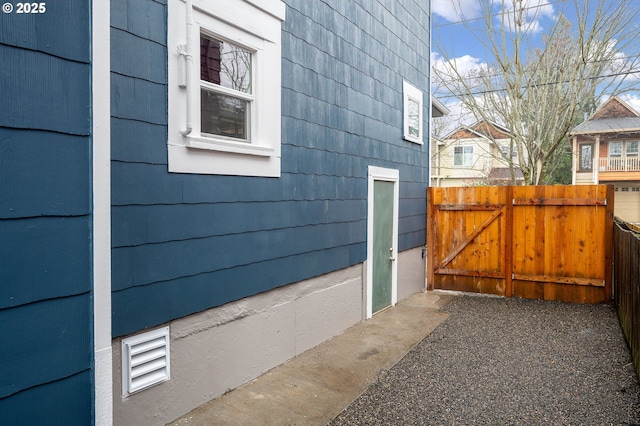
<point>456,27</point>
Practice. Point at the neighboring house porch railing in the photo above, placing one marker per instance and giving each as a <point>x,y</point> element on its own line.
<point>620,164</point>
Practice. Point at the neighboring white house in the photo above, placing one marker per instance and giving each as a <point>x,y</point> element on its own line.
<point>474,155</point>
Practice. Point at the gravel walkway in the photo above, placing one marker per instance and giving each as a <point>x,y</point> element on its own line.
<point>509,361</point>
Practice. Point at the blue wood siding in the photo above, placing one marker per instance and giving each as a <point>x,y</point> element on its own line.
<point>183,243</point>
<point>45,216</point>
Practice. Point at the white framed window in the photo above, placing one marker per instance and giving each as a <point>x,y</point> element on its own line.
<point>224,87</point>
<point>412,112</point>
<point>505,151</point>
<point>615,149</point>
<point>227,102</point>
<point>463,156</point>
<point>632,148</point>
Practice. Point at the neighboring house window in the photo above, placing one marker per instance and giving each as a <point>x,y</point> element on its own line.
<point>505,151</point>
<point>463,156</point>
<point>632,148</point>
<point>586,160</point>
<point>412,113</point>
<point>232,93</point>
<point>615,149</point>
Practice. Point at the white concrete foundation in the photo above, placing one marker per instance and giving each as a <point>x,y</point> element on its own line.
<point>411,272</point>
<point>223,348</point>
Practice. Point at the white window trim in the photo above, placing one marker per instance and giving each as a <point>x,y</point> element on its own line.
<point>411,92</point>
<point>248,24</point>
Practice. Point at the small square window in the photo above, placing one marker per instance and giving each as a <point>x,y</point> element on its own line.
<point>413,106</point>
<point>505,151</point>
<point>463,156</point>
<point>615,149</point>
<point>632,148</point>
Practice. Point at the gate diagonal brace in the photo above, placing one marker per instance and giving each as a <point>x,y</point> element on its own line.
<point>484,225</point>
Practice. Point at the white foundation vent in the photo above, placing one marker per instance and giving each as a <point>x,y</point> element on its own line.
<point>145,360</point>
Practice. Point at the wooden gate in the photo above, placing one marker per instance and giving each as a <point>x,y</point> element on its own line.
<point>542,242</point>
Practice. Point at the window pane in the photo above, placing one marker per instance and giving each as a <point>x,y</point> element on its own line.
<point>615,149</point>
<point>468,156</point>
<point>632,149</point>
<point>225,64</point>
<point>463,155</point>
<point>457,156</point>
<point>585,157</point>
<point>414,117</point>
<point>224,115</point>
<point>505,151</point>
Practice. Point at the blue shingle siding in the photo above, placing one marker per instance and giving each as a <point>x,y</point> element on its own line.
<point>43,258</point>
<point>183,243</point>
<point>43,173</point>
<point>59,402</point>
<point>149,305</point>
<point>45,216</point>
<point>54,347</point>
<point>31,32</point>
<point>41,91</point>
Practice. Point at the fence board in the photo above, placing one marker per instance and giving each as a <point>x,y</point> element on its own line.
<point>545,242</point>
<point>627,286</point>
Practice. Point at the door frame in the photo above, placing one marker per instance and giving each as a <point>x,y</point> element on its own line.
<point>389,175</point>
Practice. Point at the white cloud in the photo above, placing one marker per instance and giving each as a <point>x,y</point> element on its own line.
<point>457,10</point>
<point>458,116</point>
<point>465,66</point>
<point>632,100</point>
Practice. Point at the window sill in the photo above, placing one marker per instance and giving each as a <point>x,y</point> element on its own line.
<point>203,156</point>
<point>413,139</point>
<point>213,144</point>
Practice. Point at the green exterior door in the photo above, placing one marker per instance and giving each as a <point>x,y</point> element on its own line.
<point>383,252</point>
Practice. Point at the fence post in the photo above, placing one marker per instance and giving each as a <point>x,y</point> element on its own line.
<point>608,242</point>
<point>431,227</point>
<point>508,238</point>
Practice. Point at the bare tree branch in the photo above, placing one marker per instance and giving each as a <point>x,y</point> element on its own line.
<point>538,91</point>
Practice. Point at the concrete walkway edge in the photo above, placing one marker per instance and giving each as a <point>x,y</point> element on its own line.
<point>317,385</point>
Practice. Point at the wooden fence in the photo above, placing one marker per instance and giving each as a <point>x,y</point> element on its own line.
<point>626,273</point>
<point>543,242</point>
